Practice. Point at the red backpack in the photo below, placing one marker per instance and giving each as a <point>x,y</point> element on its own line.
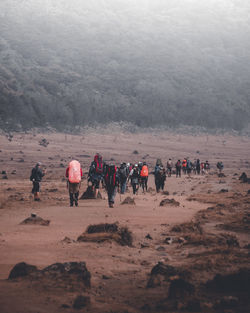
<point>98,164</point>
<point>74,172</point>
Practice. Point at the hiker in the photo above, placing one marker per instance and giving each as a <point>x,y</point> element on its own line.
<point>123,176</point>
<point>74,176</point>
<point>202,168</point>
<point>169,167</point>
<point>160,176</point>
<point>220,166</point>
<point>144,176</point>
<point>198,166</point>
<point>184,166</point>
<point>134,176</point>
<point>95,175</point>
<point>178,168</point>
<point>111,180</point>
<point>36,177</point>
<point>189,167</point>
<point>207,167</point>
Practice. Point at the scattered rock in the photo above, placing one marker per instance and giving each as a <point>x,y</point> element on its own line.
<point>53,190</point>
<point>129,200</point>
<point>144,245</point>
<point>168,240</point>
<point>102,228</point>
<point>165,193</point>
<point>81,302</point>
<point>43,142</point>
<point>135,152</point>
<point>148,237</point>
<point>62,165</point>
<point>13,172</point>
<point>104,232</point>
<point>244,179</point>
<point>21,269</point>
<point>171,202</point>
<point>4,177</point>
<point>67,240</point>
<point>193,305</point>
<point>105,277</point>
<point>223,190</point>
<point>235,282</point>
<point>179,288</point>
<point>160,248</point>
<point>67,271</point>
<point>189,227</point>
<point>159,273</point>
<point>227,302</point>
<point>35,220</point>
<point>221,175</point>
<point>21,160</point>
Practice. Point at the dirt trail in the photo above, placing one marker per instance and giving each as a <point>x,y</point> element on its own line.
<point>119,274</point>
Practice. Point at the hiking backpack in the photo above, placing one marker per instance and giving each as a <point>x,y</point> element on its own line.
<point>98,164</point>
<point>110,177</point>
<point>74,172</point>
<point>144,171</point>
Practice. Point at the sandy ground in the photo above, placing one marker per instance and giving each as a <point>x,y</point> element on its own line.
<point>120,274</point>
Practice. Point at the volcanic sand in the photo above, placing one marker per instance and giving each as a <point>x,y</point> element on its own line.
<point>126,269</point>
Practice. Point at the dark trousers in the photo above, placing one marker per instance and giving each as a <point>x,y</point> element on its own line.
<point>144,183</point>
<point>73,198</point>
<point>178,171</point>
<point>111,190</point>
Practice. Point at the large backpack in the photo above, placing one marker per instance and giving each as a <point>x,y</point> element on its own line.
<point>144,171</point>
<point>74,172</point>
<point>98,164</point>
<point>110,177</point>
<point>123,172</point>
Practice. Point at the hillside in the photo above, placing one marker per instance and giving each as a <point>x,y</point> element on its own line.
<point>147,62</point>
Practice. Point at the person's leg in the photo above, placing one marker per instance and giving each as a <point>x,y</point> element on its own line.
<point>112,197</point>
<point>97,188</point>
<point>76,198</point>
<point>71,197</point>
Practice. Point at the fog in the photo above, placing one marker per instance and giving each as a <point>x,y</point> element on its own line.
<point>152,63</point>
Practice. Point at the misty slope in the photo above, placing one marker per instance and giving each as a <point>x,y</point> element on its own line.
<point>147,62</point>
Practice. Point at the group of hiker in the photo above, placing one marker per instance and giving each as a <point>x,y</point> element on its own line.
<point>116,178</point>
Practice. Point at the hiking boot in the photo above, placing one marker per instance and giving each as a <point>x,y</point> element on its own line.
<point>71,204</point>
<point>111,205</point>
<point>76,203</point>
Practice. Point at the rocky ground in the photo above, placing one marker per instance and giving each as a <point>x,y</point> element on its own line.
<point>189,254</point>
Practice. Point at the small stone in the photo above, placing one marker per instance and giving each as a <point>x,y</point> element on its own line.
<point>81,302</point>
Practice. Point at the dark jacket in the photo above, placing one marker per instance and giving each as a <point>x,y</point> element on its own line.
<point>36,174</point>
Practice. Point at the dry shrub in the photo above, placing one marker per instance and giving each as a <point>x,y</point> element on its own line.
<point>190,227</point>
<point>105,232</point>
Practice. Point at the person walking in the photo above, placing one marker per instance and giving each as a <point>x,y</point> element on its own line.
<point>96,172</point>
<point>144,176</point>
<point>178,168</point>
<point>74,176</point>
<point>135,175</point>
<point>36,177</point>
<point>111,180</point>
<point>123,176</point>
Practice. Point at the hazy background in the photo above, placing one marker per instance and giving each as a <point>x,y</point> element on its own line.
<point>160,62</point>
